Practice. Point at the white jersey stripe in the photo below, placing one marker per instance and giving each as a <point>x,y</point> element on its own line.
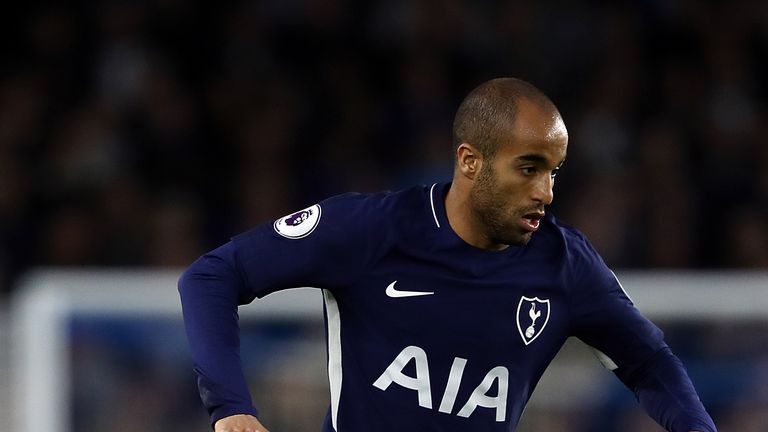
<point>432,202</point>
<point>621,286</point>
<point>334,353</point>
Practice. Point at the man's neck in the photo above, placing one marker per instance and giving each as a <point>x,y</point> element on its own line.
<point>462,220</point>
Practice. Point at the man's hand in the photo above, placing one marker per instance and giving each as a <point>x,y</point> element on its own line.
<point>239,423</point>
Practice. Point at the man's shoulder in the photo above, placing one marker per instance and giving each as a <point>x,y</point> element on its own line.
<point>373,221</point>
<point>572,241</point>
<point>568,232</point>
<point>378,206</point>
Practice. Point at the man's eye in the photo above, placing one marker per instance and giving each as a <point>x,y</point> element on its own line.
<point>528,170</point>
<point>554,172</point>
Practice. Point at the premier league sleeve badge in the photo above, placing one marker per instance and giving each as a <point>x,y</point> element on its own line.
<point>299,224</point>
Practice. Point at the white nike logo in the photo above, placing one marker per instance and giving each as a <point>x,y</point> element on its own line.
<point>394,293</point>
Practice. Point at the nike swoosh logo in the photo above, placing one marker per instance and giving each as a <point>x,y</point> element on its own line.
<point>395,293</point>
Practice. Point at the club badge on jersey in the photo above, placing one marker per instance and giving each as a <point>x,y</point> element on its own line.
<point>300,224</point>
<point>532,317</point>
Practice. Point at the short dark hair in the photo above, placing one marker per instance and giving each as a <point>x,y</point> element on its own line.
<point>489,110</point>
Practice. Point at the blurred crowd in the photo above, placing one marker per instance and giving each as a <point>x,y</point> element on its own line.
<point>140,133</point>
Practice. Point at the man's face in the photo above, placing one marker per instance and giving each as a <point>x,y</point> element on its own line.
<point>510,191</point>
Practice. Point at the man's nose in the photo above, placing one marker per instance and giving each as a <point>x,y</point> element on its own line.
<point>543,190</point>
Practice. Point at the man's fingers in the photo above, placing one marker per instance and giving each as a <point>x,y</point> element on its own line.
<point>239,423</point>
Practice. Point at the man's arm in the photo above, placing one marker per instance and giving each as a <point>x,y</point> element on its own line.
<point>210,292</point>
<point>605,318</point>
<point>633,348</point>
<point>329,253</point>
<point>665,391</point>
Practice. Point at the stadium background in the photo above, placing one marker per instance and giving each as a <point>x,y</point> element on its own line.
<point>139,134</point>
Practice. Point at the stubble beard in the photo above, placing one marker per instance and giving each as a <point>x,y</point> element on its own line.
<point>496,221</point>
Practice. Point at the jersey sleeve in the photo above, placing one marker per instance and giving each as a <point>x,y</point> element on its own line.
<point>324,246</point>
<point>327,249</point>
<point>605,318</point>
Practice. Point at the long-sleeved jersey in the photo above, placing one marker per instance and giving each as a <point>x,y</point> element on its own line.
<point>426,332</point>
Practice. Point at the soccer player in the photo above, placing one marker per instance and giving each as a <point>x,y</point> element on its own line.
<point>445,303</point>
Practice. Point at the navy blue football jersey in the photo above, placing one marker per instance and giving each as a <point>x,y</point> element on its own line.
<point>426,332</point>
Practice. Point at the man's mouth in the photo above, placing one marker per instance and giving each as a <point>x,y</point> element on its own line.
<point>531,221</point>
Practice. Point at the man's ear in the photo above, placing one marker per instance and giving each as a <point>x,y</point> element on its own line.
<point>469,160</point>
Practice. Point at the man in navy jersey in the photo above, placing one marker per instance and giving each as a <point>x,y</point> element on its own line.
<point>444,303</point>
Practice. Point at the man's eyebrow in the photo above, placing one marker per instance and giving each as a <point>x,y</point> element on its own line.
<point>532,158</point>
<point>537,158</point>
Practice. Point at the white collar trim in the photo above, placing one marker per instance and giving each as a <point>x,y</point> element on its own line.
<point>432,202</point>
